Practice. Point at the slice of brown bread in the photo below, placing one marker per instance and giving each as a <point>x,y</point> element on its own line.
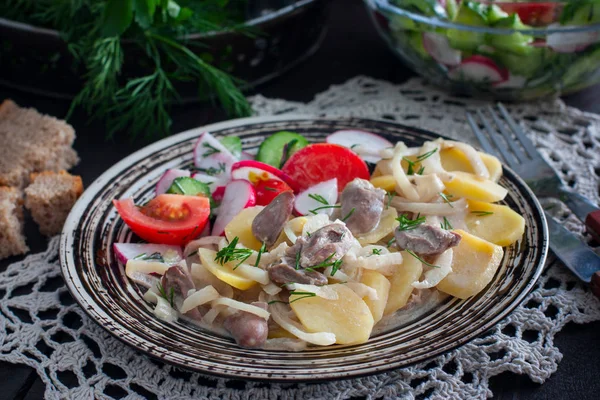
<point>50,197</point>
<point>32,142</point>
<point>12,241</point>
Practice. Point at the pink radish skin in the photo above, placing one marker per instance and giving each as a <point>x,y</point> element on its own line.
<point>327,189</point>
<point>215,184</point>
<point>479,69</point>
<point>218,193</point>
<point>570,42</point>
<point>366,144</point>
<point>251,170</point>
<point>128,251</point>
<point>209,153</point>
<point>239,194</point>
<point>165,181</point>
<point>439,49</point>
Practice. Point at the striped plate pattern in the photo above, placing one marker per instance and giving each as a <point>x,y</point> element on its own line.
<point>100,286</point>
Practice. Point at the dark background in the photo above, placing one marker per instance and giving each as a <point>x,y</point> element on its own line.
<point>351,48</point>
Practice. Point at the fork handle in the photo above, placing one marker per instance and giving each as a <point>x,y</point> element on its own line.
<point>584,209</point>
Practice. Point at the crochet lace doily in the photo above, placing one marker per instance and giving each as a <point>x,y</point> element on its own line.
<point>42,327</point>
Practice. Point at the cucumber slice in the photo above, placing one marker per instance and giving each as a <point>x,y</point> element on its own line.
<point>495,13</point>
<point>527,66</point>
<point>451,9</point>
<point>469,13</point>
<point>580,68</point>
<point>189,187</point>
<point>233,144</point>
<point>517,43</point>
<point>580,14</point>
<point>271,150</point>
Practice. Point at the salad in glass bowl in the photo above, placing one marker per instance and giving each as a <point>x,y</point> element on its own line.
<point>317,244</point>
<point>511,50</point>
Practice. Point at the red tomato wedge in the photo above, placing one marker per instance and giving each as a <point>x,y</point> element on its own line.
<point>323,161</point>
<point>535,14</point>
<point>267,190</point>
<point>166,219</point>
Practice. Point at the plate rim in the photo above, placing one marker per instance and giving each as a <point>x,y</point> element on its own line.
<point>67,261</point>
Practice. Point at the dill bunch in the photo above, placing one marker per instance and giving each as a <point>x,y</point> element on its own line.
<point>103,36</point>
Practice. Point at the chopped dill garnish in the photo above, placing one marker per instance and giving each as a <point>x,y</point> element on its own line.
<point>411,165</point>
<point>319,198</point>
<point>482,213</point>
<point>421,170</point>
<point>426,155</point>
<point>262,249</point>
<point>308,234</point>
<point>407,224</point>
<point>297,261</point>
<point>377,252</point>
<point>303,295</point>
<point>211,150</point>
<point>314,211</point>
<point>335,267</point>
<point>214,171</point>
<point>348,215</point>
<point>231,253</point>
<point>420,259</point>
<point>446,224</point>
<point>390,242</point>
<point>270,189</point>
<point>446,199</point>
<point>390,196</point>
<point>354,145</point>
<point>163,294</point>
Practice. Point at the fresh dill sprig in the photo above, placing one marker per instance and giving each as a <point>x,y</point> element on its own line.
<point>421,170</point>
<point>482,213</point>
<point>335,267</point>
<point>270,189</point>
<point>446,224</point>
<point>319,198</point>
<point>303,295</point>
<point>412,164</point>
<point>156,256</point>
<point>421,260</point>
<point>211,150</point>
<point>349,214</point>
<point>297,260</point>
<point>390,242</point>
<point>231,253</point>
<point>376,252</point>
<point>407,224</point>
<point>262,249</point>
<point>390,197</point>
<point>163,294</point>
<point>446,199</point>
<point>214,171</point>
<point>314,211</point>
<point>426,155</point>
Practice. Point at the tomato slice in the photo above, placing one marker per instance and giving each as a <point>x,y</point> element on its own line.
<point>534,14</point>
<point>323,161</point>
<point>267,190</point>
<point>166,219</point>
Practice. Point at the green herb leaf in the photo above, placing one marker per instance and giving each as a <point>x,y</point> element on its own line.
<point>297,261</point>
<point>407,224</point>
<point>319,198</point>
<point>117,17</point>
<point>390,196</point>
<point>231,253</point>
<point>426,155</point>
<point>390,242</point>
<point>314,211</point>
<point>144,12</point>
<point>348,215</point>
<point>482,213</point>
<point>303,295</point>
<point>211,150</point>
<point>420,259</point>
<point>377,252</point>
<point>270,189</point>
<point>446,224</point>
<point>446,199</point>
<point>262,249</point>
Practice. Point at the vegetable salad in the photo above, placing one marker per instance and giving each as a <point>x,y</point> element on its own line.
<point>514,65</point>
<point>315,244</point>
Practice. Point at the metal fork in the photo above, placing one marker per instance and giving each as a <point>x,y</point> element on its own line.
<point>519,153</point>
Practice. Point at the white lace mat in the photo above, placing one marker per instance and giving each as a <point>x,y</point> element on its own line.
<point>40,326</point>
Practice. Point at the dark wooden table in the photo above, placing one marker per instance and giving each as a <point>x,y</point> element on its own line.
<point>351,48</point>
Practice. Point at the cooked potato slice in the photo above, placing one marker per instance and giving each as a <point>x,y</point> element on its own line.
<point>401,283</point>
<point>473,187</point>
<point>381,285</point>
<point>387,224</point>
<point>495,223</point>
<point>241,226</point>
<point>385,182</point>
<point>224,272</point>
<point>455,160</point>
<point>348,317</point>
<point>474,264</point>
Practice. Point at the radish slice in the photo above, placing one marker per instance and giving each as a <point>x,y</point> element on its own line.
<point>328,190</point>
<point>479,69</point>
<point>366,144</point>
<point>129,251</point>
<point>253,171</point>
<point>239,194</point>
<point>165,181</point>
<point>513,82</point>
<point>570,42</point>
<point>218,193</point>
<point>216,184</point>
<point>211,157</point>
<point>439,49</point>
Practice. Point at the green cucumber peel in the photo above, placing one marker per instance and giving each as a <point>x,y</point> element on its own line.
<point>271,150</point>
<point>233,144</point>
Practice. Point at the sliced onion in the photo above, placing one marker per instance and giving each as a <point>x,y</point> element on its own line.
<point>273,255</point>
<point>279,314</point>
<point>435,275</point>
<point>324,292</point>
<point>385,264</point>
<point>203,277</point>
<point>428,186</point>
<point>363,290</point>
<point>315,223</point>
<point>145,267</point>
<point>144,280</point>
<point>272,289</point>
<point>440,209</point>
<point>253,273</point>
<point>238,305</point>
<point>339,276</point>
<point>432,164</point>
<point>212,314</point>
<point>209,242</point>
<point>473,157</point>
<point>403,184</point>
<point>163,309</point>
<point>198,298</point>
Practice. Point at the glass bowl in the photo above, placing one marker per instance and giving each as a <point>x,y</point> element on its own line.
<point>508,50</point>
